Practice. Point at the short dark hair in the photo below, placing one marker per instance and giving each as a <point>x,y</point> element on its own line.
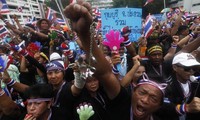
<point>39,91</point>
<point>182,28</point>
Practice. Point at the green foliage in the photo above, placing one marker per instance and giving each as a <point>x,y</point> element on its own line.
<point>53,35</point>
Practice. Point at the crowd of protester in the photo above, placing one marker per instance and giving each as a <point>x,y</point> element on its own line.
<point>153,78</point>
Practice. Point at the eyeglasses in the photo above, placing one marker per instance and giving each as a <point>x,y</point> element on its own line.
<point>187,69</point>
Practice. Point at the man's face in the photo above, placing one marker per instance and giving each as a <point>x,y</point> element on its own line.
<point>55,77</point>
<point>146,99</point>
<point>185,32</point>
<point>156,57</point>
<point>197,20</point>
<point>37,109</point>
<point>183,73</point>
<point>41,60</point>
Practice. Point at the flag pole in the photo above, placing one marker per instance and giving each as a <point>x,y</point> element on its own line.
<point>61,12</point>
<point>164,4</point>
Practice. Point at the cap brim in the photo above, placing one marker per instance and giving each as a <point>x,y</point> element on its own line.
<point>190,63</point>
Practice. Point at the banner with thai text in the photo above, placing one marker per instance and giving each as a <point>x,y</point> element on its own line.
<point>117,18</point>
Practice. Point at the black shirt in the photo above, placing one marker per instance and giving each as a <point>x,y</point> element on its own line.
<point>99,104</point>
<point>63,109</point>
<point>161,73</point>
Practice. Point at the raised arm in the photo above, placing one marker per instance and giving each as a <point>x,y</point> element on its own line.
<point>191,46</point>
<point>172,49</point>
<point>20,87</point>
<point>81,19</point>
<point>129,76</point>
<point>7,105</point>
<point>14,29</point>
<point>176,25</point>
<point>18,24</point>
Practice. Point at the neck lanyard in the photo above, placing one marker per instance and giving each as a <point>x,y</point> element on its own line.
<point>160,68</point>
<point>100,100</point>
<point>186,96</point>
<point>131,113</point>
<point>49,115</point>
<point>58,93</point>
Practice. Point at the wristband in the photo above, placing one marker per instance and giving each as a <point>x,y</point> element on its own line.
<point>173,45</point>
<point>79,83</point>
<point>191,34</point>
<point>127,43</point>
<point>70,55</point>
<point>183,18</point>
<point>76,38</point>
<point>181,109</point>
<point>2,92</point>
<point>11,83</point>
<point>114,70</point>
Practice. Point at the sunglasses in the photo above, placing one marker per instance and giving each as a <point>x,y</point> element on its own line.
<point>187,69</point>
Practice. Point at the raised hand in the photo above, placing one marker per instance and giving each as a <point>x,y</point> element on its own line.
<point>5,62</point>
<point>136,60</point>
<point>85,111</point>
<point>20,50</point>
<point>65,48</point>
<point>125,31</point>
<point>175,39</point>
<point>80,17</point>
<point>113,40</point>
<point>193,106</point>
<point>29,117</point>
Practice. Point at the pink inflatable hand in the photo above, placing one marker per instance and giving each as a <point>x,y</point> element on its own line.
<point>113,40</point>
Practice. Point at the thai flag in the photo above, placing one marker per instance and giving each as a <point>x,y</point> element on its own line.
<point>32,21</point>
<point>60,21</point>
<point>4,6</point>
<point>148,26</point>
<point>96,13</point>
<point>3,31</point>
<point>177,11</point>
<point>147,2</point>
<point>50,14</point>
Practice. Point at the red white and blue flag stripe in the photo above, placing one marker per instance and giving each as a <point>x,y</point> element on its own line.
<point>32,21</point>
<point>97,14</point>
<point>50,14</point>
<point>4,6</point>
<point>3,31</point>
<point>60,21</point>
<point>148,26</point>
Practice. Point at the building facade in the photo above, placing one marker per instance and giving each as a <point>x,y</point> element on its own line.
<point>190,5</point>
<point>25,10</point>
<point>101,3</point>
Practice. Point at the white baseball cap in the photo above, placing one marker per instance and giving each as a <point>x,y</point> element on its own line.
<point>185,59</point>
<point>55,56</point>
